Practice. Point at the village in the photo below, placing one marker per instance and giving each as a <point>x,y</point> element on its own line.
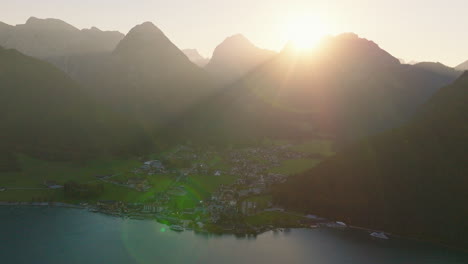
<point>225,208</point>
<point>204,189</point>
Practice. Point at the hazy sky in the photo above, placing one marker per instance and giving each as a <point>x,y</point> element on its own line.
<point>421,30</point>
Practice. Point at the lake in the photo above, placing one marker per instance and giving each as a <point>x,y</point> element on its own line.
<point>61,235</point>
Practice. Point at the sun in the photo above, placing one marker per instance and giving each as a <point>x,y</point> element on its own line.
<point>305,32</point>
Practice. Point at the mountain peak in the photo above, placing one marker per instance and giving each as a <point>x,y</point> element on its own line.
<point>146,28</point>
<point>147,43</point>
<point>142,39</point>
<point>236,41</point>
<point>348,47</point>
<point>235,56</point>
<point>95,29</point>
<point>50,23</point>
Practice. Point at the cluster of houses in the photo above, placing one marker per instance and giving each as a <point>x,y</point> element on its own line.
<point>150,167</point>
<point>229,201</point>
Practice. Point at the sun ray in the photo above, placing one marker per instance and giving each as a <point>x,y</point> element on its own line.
<point>305,32</point>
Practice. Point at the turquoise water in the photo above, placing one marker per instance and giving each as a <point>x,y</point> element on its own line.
<point>59,235</point>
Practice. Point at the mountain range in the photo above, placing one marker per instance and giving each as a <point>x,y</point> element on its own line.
<point>146,77</point>
<point>347,89</point>
<point>43,38</point>
<point>245,92</point>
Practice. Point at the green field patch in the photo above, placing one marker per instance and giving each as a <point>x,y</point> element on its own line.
<point>204,185</point>
<point>294,166</point>
<point>34,171</point>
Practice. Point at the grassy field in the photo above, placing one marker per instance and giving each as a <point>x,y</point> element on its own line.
<point>294,166</point>
<point>34,172</point>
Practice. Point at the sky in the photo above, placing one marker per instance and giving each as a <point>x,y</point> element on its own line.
<point>412,30</point>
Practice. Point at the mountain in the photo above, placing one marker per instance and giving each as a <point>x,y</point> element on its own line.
<point>346,89</point>
<point>146,78</point>
<point>462,67</point>
<point>409,181</point>
<point>42,111</point>
<point>235,57</point>
<point>439,68</point>
<point>43,38</point>
<point>195,57</point>
<point>45,114</point>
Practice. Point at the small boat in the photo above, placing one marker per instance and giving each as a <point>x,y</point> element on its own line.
<point>342,224</point>
<point>314,226</point>
<point>176,228</point>
<point>380,235</point>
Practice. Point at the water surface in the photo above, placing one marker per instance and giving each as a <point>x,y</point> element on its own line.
<point>60,235</point>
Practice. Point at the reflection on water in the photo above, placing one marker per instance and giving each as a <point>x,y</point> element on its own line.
<point>58,235</point>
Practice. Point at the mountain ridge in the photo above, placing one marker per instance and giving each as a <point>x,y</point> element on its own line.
<point>44,38</point>
<point>463,66</point>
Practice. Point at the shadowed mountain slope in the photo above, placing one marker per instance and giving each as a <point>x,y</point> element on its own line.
<point>410,180</point>
<point>146,78</point>
<point>44,113</point>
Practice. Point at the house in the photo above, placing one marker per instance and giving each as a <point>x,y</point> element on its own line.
<point>217,173</point>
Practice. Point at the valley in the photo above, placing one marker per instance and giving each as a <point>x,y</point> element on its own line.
<point>226,190</point>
